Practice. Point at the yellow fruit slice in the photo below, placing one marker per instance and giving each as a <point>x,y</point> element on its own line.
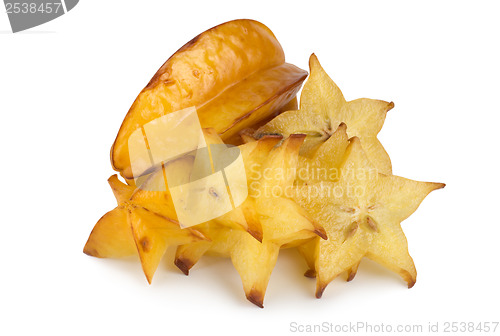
<point>145,221</point>
<point>361,214</point>
<point>131,229</point>
<point>254,155</point>
<point>323,108</point>
<point>271,173</point>
<point>234,74</point>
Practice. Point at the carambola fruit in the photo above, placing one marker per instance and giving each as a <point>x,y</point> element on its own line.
<point>323,108</point>
<point>270,173</point>
<point>361,211</point>
<point>234,74</point>
<point>318,178</point>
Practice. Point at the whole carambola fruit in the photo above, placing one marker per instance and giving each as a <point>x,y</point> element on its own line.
<point>234,74</point>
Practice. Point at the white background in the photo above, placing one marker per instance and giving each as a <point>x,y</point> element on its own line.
<point>65,87</point>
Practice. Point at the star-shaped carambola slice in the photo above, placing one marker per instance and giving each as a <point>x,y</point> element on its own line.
<point>361,214</point>
<point>282,220</point>
<point>323,108</point>
<point>254,155</point>
<point>324,165</point>
<point>131,229</point>
<point>145,220</point>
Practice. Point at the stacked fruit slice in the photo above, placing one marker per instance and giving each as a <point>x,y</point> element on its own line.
<point>318,179</point>
<point>348,186</point>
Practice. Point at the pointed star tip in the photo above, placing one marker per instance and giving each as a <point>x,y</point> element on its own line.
<point>183,264</point>
<point>313,60</point>
<point>90,252</point>
<point>256,297</point>
<point>310,274</point>
<point>436,185</point>
<point>319,291</point>
<point>351,276</point>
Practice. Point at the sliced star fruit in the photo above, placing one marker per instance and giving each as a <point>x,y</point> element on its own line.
<point>283,221</point>
<point>323,108</point>
<point>130,229</point>
<point>145,221</point>
<point>362,214</point>
<point>254,155</point>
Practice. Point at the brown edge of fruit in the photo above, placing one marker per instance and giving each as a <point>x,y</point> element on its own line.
<point>310,273</point>
<point>320,288</point>
<point>439,185</point>
<point>351,273</point>
<point>183,264</point>
<point>296,138</point>
<point>321,233</point>
<point>408,277</point>
<point>256,297</point>
<point>258,235</point>
<point>390,106</point>
<point>270,99</point>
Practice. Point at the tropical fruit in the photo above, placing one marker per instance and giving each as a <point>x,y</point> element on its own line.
<point>323,108</point>
<point>361,211</point>
<point>314,178</point>
<point>234,74</point>
<point>271,174</point>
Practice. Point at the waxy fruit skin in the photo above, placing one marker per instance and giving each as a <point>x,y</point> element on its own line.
<point>234,74</point>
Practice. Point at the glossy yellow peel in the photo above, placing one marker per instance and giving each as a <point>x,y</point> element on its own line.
<point>234,74</point>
